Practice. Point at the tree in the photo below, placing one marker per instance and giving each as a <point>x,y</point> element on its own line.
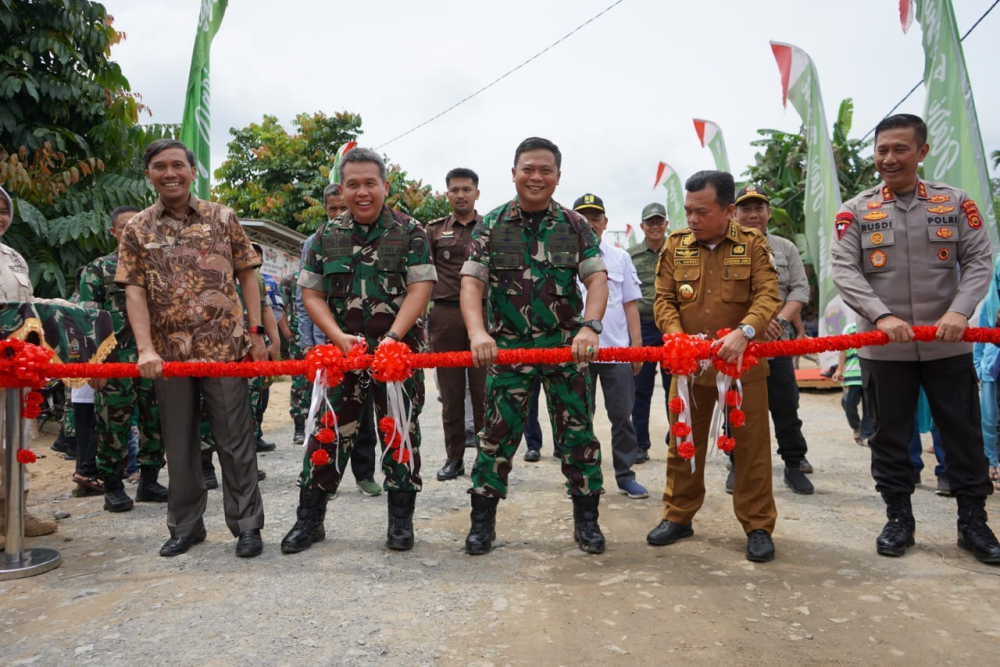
<point>70,142</point>
<point>270,173</point>
<point>780,169</point>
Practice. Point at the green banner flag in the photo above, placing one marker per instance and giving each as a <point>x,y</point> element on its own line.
<point>800,85</point>
<point>710,134</point>
<point>197,121</point>
<point>956,156</point>
<point>665,175</point>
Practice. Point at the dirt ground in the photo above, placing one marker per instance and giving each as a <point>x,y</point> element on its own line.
<point>536,600</point>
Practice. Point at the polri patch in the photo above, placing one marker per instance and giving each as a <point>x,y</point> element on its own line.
<point>972,212</point>
<point>876,215</point>
<point>939,199</point>
<point>945,232</point>
<point>842,222</point>
<point>940,209</point>
<point>943,254</point>
<point>878,259</point>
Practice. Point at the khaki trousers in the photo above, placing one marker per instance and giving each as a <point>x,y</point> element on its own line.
<point>753,500</point>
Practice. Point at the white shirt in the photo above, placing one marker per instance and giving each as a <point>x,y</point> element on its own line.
<point>623,287</point>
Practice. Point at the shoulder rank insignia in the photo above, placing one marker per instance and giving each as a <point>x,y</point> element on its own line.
<point>887,194</point>
<point>939,199</point>
<point>972,212</point>
<point>944,232</point>
<point>921,190</point>
<point>940,209</point>
<point>876,215</point>
<point>733,231</point>
<point>874,204</point>
<point>842,222</point>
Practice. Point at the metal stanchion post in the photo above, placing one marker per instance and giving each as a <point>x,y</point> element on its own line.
<point>18,562</point>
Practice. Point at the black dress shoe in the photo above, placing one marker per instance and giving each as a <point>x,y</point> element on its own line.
<point>797,481</point>
<point>451,470</point>
<point>760,546</point>
<point>175,546</point>
<point>730,480</point>
<point>249,543</point>
<point>805,466</point>
<point>265,446</point>
<point>668,532</point>
<point>642,456</point>
<point>532,456</point>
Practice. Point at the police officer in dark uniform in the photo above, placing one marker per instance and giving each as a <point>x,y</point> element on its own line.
<point>911,252</point>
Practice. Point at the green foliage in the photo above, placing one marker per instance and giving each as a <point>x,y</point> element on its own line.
<point>269,173</point>
<point>70,142</point>
<point>780,169</point>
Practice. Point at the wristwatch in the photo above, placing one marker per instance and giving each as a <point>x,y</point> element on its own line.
<point>748,331</point>
<point>258,330</point>
<point>392,335</point>
<point>595,325</point>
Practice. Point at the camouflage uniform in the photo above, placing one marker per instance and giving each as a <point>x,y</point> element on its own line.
<point>301,393</point>
<point>116,404</point>
<point>259,383</point>
<point>530,265</point>
<point>364,271</point>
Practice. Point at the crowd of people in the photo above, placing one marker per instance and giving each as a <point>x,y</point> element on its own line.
<point>185,285</point>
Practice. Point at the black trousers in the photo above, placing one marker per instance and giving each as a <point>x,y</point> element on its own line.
<point>783,403</point>
<point>892,389</point>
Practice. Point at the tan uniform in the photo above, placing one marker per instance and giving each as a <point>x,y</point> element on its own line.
<point>15,283</point>
<point>449,245</point>
<point>700,290</point>
<point>891,258</point>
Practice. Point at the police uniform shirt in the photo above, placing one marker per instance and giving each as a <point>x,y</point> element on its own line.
<point>915,260</point>
<point>449,242</point>
<point>793,285</point>
<point>15,282</point>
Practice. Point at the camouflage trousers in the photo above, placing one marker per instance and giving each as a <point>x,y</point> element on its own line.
<point>115,406</point>
<point>567,392</point>
<point>348,399</point>
<point>256,404</point>
<point>301,393</point>
<point>68,420</point>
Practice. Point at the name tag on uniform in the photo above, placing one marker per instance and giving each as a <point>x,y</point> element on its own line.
<point>737,260</point>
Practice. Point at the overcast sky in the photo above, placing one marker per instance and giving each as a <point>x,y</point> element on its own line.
<point>617,97</point>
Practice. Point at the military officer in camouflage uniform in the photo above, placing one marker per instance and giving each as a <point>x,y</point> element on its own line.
<point>525,259</point>
<point>117,399</point>
<point>367,277</point>
<point>301,392</point>
<point>906,253</point>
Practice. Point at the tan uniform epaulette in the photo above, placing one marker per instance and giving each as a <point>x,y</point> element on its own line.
<point>434,222</point>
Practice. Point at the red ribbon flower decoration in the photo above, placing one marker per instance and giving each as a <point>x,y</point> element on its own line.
<point>726,443</point>
<point>391,438</point>
<point>329,419</point>
<point>326,436</point>
<point>26,456</point>
<point>681,429</point>
<point>682,352</point>
<point>400,455</point>
<point>686,449</point>
<point>393,361</point>
<point>737,418</point>
<point>676,405</point>
<point>320,457</point>
<point>23,364</point>
<point>732,398</point>
<point>32,407</point>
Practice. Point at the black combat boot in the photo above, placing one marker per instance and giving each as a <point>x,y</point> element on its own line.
<point>308,527</point>
<point>586,532</point>
<point>300,431</point>
<point>484,525</point>
<point>898,532</point>
<point>399,535</point>
<point>115,498</point>
<point>149,490</point>
<point>973,533</point>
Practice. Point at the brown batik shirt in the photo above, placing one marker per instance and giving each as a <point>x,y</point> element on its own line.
<point>188,268</point>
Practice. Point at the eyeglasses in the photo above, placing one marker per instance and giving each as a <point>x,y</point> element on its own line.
<point>654,223</point>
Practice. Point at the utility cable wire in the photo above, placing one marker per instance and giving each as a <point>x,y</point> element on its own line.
<point>914,89</point>
<point>508,73</point>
